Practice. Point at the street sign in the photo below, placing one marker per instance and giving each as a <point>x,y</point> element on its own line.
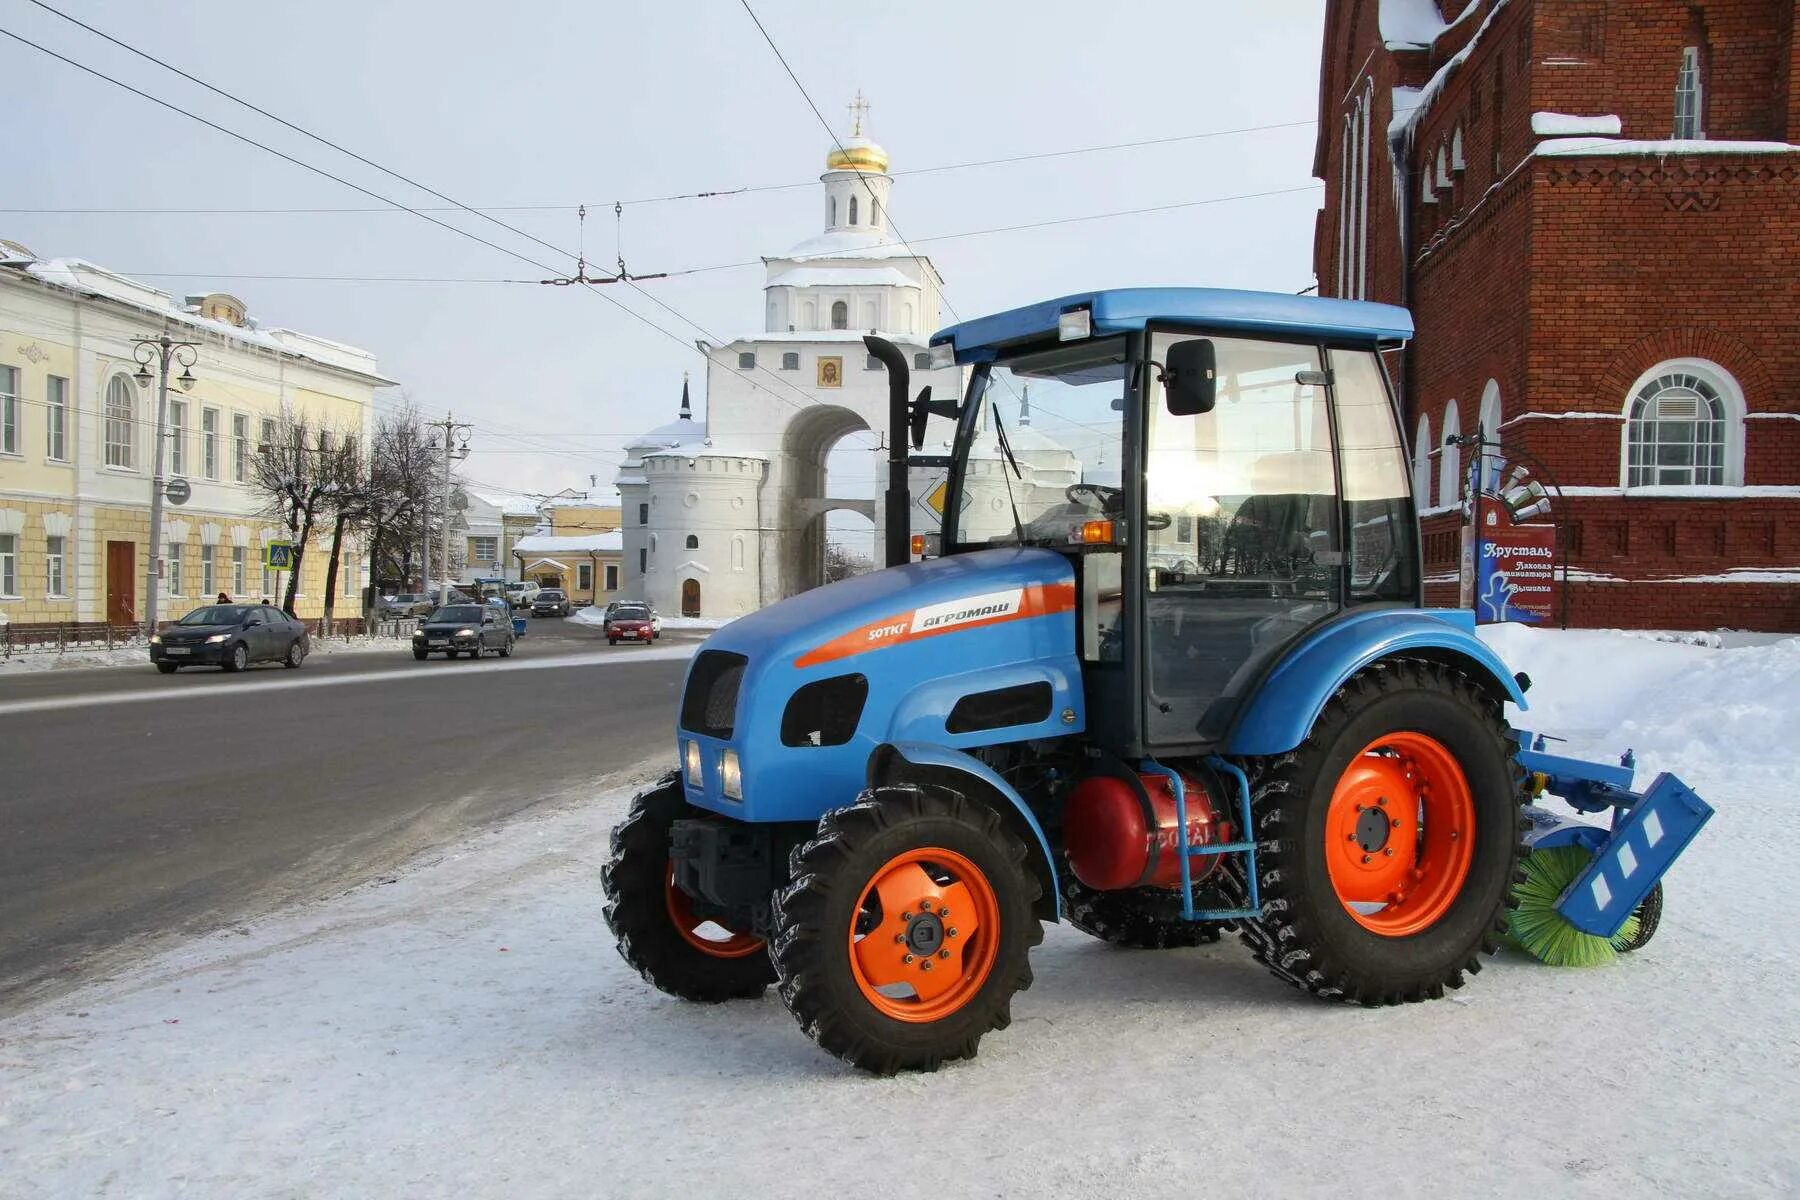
<point>177,491</point>
<point>278,556</point>
<point>934,499</point>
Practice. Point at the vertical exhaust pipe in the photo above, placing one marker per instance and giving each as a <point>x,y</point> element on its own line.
<point>896,537</point>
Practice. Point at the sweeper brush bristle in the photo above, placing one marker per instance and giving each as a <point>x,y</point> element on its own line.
<point>1536,926</point>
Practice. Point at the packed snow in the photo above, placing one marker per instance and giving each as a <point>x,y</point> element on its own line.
<point>137,653</point>
<point>468,1030</point>
<point>1583,147</point>
<point>1554,124</point>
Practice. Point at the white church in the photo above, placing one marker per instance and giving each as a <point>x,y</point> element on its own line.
<point>725,514</point>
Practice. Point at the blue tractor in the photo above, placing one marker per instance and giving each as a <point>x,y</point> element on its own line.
<point>1168,673</point>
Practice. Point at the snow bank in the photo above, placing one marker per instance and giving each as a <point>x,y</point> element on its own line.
<point>1552,124</point>
<point>137,654</point>
<point>1725,716</point>
<point>597,616</point>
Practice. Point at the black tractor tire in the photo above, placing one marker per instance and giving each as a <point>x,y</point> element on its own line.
<point>834,871</point>
<point>167,668</point>
<point>1135,918</point>
<point>1306,935</point>
<point>636,879</point>
<point>1649,915</point>
<point>237,658</point>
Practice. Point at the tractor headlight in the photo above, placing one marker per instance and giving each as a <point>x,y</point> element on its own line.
<point>943,355</point>
<point>691,759</point>
<point>731,776</point>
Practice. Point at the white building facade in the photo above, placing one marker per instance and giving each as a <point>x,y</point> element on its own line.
<point>726,514</point>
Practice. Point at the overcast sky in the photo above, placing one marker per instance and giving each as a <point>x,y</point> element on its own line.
<point>559,103</point>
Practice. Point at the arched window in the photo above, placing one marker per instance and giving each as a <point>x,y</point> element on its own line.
<point>1450,460</point>
<point>121,422</point>
<point>1491,417</point>
<point>833,220</point>
<point>1684,425</point>
<point>1422,463</point>
<point>790,361</point>
<point>693,542</point>
<point>737,553</point>
<point>840,315</point>
<point>653,543</point>
<point>1689,108</point>
<point>853,210</point>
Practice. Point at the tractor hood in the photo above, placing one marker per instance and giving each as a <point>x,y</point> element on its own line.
<point>971,650</point>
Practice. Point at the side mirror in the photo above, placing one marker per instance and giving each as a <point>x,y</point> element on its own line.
<point>1190,380</point>
<point>923,409</point>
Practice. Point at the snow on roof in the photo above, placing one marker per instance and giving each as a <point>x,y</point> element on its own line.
<point>1551,124</point>
<point>676,432</point>
<point>824,335</point>
<point>707,449</point>
<point>1415,23</point>
<point>587,543</point>
<point>512,506</point>
<point>841,277</point>
<point>79,275</point>
<point>1575,147</point>
<point>1403,122</point>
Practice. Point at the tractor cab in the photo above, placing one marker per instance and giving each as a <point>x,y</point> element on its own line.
<point>1223,470</point>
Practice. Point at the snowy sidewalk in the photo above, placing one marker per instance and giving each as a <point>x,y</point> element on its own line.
<point>468,1030</point>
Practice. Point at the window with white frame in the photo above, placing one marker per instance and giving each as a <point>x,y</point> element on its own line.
<point>790,361</point>
<point>240,447</point>
<point>209,442</point>
<point>746,360</point>
<point>177,432</point>
<point>237,571</point>
<point>487,549</point>
<point>121,422</point>
<point>1689,119</point>
<point>55,577</point>
<point>172,567</point>
<point>267,441</point>
<point>9,410</point>
<point>1450,460</point>
<point>270,581</point>
<point>611,576</point>
<point>584,576</point>
<point>643,561</point>
<point>1491,416</point>
<point>643,514</point>
<point>56,418</point>
<point>1684,426</point>
<point>209,570</point>
<point>693,542</point>
<point>840,315</point>
<point>9,564</point>
<point>1422,463</point>
<point>853,210</point>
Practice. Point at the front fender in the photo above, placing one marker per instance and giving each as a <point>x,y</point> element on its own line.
<point>1281,713</point>
<point>942,758</point>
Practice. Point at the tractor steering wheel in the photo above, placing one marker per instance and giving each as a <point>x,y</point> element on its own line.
<point>1105,498</point>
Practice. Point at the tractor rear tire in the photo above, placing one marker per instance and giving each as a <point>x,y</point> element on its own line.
<point>1137,919</point>
<point>859,976</point>
<point>1405,736</point>
<point>652,919</point>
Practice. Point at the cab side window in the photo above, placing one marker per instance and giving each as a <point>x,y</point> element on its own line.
<point>1378,502</point>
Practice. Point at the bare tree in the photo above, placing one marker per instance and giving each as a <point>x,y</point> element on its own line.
<point>293,477</point>
<point>347,493</point>
<point>403,496</point>
<point>841,562</point>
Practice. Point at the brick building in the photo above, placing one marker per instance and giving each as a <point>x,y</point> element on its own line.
<point>1590,208</point>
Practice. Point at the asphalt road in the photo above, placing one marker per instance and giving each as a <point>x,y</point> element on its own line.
<point>135,807</point>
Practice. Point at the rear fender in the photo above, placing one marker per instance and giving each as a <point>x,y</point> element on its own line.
<point>1282,711</point>
<point>922,762</point>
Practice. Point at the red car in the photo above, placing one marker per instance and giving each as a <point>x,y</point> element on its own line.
<point>630,624</point>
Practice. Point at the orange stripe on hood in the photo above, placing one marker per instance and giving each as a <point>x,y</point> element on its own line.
<point>1038,600</point>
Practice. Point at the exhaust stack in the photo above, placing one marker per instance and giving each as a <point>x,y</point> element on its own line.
<point>896,544</point>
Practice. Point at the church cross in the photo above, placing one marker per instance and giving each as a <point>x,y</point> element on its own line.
<point>859,108</point>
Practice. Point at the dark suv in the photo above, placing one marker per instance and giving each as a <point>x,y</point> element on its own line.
<point>550,602</point>
<point>471,629</point>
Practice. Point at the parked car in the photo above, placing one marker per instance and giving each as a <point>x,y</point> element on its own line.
<point>630,623</point>
<point>520,594</point>
<point>231,636</point>
<point>471,629</point>
<point>616,605</point>
<point>406,604</point>
<point>550,602</point>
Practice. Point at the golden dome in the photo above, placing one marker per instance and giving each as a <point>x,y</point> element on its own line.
<point>858,154</point>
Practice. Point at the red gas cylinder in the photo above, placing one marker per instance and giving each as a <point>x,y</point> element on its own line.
<point>1112,842</point>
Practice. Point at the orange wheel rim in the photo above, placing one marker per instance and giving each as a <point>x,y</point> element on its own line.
<point>1400,834</point>
<point>690,926</point>
<point>925,936</point>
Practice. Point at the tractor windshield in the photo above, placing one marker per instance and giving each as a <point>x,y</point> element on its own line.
<point>1042,452</point>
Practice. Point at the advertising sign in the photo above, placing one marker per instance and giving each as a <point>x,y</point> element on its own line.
<point>1513,575</point>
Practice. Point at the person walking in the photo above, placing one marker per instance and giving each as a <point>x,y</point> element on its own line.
<point>224,598</point>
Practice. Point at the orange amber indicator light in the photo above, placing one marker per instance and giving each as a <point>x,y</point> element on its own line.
<point>1096,533</point>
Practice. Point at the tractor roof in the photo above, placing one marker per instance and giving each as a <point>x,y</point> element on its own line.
<point>1123,309</point>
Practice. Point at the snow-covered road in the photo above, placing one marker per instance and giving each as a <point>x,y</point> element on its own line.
<point>468,1030</point>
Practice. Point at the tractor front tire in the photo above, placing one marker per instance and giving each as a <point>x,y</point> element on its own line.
<point>653,920</point>
<point>1389,841</point>
<point>907,928</point>
<point>1137,919</point>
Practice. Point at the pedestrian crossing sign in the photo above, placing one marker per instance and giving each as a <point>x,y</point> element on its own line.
<point>278,556</point>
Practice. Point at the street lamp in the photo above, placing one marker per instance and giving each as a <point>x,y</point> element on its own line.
<point>160,350</point>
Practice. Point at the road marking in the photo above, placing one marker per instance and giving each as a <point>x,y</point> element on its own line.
<point>422,674</point>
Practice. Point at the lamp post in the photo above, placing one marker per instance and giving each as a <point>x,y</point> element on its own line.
<point>453,432</point>
<point>161,350</point>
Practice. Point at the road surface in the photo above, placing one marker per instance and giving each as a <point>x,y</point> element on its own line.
<point>137,807</point>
